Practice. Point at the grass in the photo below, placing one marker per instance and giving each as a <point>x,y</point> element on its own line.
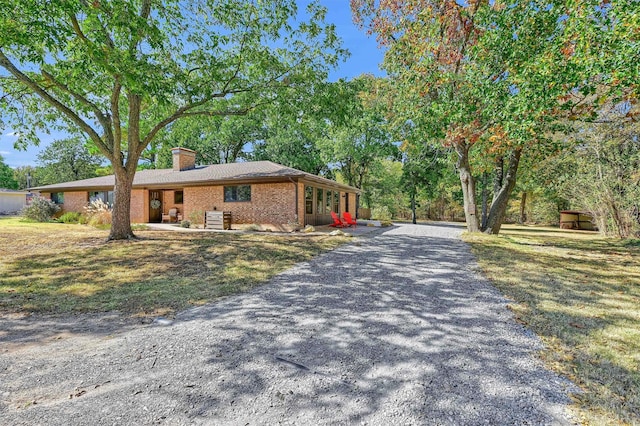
<point>581,294</point>
<point>57,268</point>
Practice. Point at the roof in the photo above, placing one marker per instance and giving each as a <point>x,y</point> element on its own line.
<point>12,191</point>
<point>575,212</point>
<point>214,174</point>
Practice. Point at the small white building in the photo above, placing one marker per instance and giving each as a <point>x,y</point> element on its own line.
<point>12,201</point>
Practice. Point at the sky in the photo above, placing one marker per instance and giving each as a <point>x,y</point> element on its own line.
<point>365,58</point>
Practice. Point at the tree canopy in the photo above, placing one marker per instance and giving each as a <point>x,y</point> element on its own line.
<point>491,79</point>
<point>121,72</point>
<point>7,179</point>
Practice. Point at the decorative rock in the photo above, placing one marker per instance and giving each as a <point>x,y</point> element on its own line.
<point>309,228</point>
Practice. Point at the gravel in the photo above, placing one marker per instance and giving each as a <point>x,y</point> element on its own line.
<point>394,328</point>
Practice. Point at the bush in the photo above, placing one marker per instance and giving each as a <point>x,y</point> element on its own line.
<point>98,213</point>
<point>185,224</point>
<point>196,217</point>
<point>70,217</point>
<point>40,210</point>
<point>381,213</point>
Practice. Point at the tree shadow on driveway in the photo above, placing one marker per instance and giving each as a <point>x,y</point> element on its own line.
<point>396,329</point>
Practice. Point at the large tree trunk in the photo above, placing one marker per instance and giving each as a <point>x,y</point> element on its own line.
<point>413,207</point>
<point>501,198</point>
<point>485,200</point>
<point>498,177</point>
<point>523,207</point>
<point>468,187</point>
<point>120,216</point>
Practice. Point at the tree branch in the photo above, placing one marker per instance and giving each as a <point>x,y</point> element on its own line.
<point>75,118</point>
<point>102,118</point>
<point>115,112</point>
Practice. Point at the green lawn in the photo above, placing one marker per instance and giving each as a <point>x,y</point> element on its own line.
<point>581,294</point>
<point>61,268</point>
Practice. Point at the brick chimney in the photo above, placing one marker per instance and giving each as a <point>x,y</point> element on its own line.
<point>183,159</point>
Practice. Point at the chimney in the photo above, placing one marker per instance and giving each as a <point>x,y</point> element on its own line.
<point>183,159</point>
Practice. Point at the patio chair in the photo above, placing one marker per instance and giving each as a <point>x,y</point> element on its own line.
<point>174,215</point>
<point>348,220</point>
<point>337,223</point>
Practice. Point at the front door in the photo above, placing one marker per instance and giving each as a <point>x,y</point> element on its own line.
<point>155,206</point>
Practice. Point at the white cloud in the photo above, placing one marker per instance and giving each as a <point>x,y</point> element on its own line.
<point>5,153</point>
<point>14,134</point>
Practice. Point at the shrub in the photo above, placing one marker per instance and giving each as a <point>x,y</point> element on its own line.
<point>40,210</point>
<point>381,213</point>
<point>196,217</point>
<point>70,217</point>
<point>98,213</point>
<point>185,224</point>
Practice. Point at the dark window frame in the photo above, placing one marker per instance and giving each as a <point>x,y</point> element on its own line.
<point>57,197</point>
<point>319,201</point>
<point>107,197</point>
<point>178,199</point>
<point>237,194</point>
<point>308,200</point>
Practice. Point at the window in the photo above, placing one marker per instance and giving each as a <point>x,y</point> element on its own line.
<point>104,196</point>
<point>57,197</point>
<point>329,202</point>
<point>336,202</point>
<point>237,193</point>
<point>319,203</point>
<point>308,200</point>
<point>178,197</point>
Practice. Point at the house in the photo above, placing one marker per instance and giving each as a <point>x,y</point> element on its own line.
<point>259,192</point>
<point>12,201</point>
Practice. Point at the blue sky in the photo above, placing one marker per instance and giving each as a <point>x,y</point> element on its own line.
<point>365,58</point>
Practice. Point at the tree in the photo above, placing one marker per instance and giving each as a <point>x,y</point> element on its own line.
<point>358,135</point>
<point>121,72</point>
<point>7,180</point>
<point>490,78</point>
<point>65,160</point>
<point>601,174</point>
<point>27,176</point>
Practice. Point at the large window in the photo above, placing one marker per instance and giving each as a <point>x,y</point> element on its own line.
<point>178,197</point>
<point>237,193</point>
<point>336,202</point>
<point>329,202</point>
<point>57,197</point>
<point>308,200</point>
<point>319,202</point>
<point>104,196</point>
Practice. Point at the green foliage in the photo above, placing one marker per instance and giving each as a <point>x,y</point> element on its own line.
<point>70,217</point>
<point>23,174</point>
<point>381,213</point>
<point>121,72</point>
<point>40,210</point>
<point>358,135</point>
<point>492,79</point>
<point>7,179</point>
<point>604,178</point>
<point>185,224</point>
<point>66,160</point>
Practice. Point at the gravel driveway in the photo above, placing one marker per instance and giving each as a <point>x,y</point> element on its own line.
<point>391,329</point>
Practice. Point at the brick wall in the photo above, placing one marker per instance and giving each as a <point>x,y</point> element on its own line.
<point>352,203</point>
<point>271,203</point>
<point>139,206</point>
<point>75,201</point>
<point>168,202</point>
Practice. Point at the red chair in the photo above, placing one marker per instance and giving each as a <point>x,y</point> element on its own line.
<point>348,220</point>
<point>337,223</point>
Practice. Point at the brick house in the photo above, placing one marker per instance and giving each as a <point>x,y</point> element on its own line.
<point>259,192</point>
